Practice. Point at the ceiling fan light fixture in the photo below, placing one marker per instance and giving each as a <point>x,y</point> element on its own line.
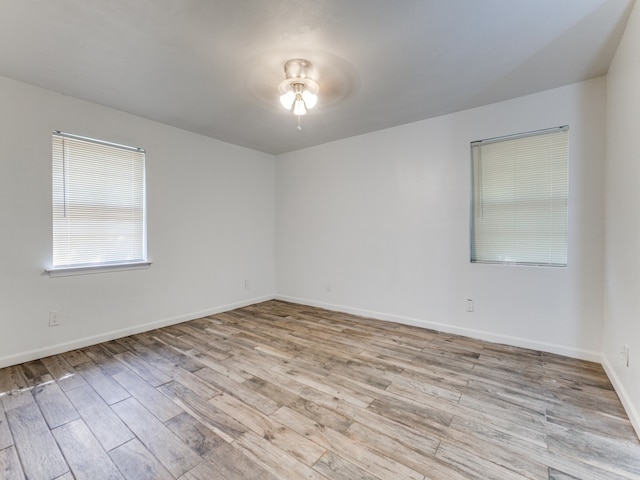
<point>298,92</point>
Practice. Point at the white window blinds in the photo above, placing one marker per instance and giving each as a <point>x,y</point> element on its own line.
<point>98,203</point>
<point>519,199</point>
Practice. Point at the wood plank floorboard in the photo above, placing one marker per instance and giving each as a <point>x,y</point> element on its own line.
<point>279,391</point>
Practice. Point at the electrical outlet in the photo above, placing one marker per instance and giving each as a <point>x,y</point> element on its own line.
<point>328,287</point>
<point>246,285</point>
<point>54,318</point>
<point>469,305</point>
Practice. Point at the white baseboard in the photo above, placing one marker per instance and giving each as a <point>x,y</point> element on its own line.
<point>107,336</point>
<point>628,405</point>
<point>443,327</point>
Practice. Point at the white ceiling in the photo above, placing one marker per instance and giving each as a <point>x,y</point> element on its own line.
<point>213,66</point>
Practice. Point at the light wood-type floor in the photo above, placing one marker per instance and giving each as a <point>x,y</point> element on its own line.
<point>283,391</point>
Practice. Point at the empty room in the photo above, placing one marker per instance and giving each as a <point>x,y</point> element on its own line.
<point>320,239</point>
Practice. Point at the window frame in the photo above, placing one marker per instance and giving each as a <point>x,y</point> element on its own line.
<point>475,184</point>
<point>58,182</point>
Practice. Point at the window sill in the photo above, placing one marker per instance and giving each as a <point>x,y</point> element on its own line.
<point>518,264</point>
<point>91,269</point>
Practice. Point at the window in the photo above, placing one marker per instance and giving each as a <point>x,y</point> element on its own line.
<point>519,199</point>
<point>98,204</point>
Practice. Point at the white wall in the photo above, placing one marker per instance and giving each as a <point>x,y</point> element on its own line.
<point>383,219</point>
<point>622,256</point>
<point>210,226</point>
